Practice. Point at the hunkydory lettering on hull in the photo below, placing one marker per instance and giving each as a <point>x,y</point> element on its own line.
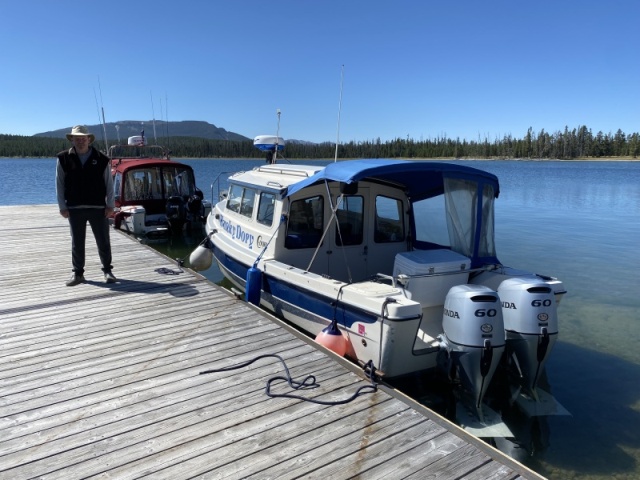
<point>236,232</point>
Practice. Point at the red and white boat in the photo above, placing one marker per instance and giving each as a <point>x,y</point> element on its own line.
<point>154,195</point>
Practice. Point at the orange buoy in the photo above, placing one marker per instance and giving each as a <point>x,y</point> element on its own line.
<point>332,338</point>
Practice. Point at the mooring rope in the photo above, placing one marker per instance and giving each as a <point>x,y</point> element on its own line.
<point>180,261</point>
<point>308,383</point>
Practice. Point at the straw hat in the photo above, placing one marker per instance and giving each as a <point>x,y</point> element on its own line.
<point>80,130</point>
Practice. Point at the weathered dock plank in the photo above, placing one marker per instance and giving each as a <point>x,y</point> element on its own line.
<point>103,380</point>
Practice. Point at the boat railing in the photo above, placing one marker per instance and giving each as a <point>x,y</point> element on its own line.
<point>283,171</point>
<point>216,183</point>
<point>138,151</point>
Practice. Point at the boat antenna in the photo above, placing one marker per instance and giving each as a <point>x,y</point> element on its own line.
<point>153,112</point>
<point>335,159</point>
<point>275,153</point>
<point>166,112</point>
<point>97,106</point>
<point>162,116</point>
<point>104,125</point>
<point>118,133</point>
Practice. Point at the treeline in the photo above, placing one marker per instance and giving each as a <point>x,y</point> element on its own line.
<point>569,144</point>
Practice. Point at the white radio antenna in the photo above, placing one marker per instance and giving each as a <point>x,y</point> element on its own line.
<point>153,111</point>
<point>339,110</point>
<point>104,123</point>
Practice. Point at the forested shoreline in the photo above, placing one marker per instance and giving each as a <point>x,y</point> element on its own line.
<point>579,143</point>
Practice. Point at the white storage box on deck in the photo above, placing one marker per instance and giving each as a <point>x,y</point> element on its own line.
<point>432,273</point>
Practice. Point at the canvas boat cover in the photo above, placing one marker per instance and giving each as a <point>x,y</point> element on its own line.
<point>421,179</point>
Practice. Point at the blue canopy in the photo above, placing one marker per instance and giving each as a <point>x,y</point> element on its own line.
<point>420,179</point>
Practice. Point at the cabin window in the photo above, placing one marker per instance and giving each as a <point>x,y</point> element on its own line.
<point>130,192</point>
<point>143,184</point>
<point>240,200</point>
<point>304,227</point>
<point>464,201</point>
<point>431,222</point>
<point>265,208</point>
<point>389,220</point>
<point>234,199</point>
<point>155,184</point>
<point>178,182</point>
<point>117,181</point>
<point>350,213</point>
<point>248,198</point>
<point>487,247</point>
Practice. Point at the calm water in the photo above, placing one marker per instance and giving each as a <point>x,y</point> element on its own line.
<point>579,221</point>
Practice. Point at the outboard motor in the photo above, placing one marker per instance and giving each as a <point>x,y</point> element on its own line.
<point>194,206</point>
<point>531,323</point>
<point>176,213</point>
<point>473,336</point>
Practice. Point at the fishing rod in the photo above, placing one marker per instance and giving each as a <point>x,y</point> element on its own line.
<point>104,124</point>
<point>339,110</point>
<point>153,112</point>
<point>166,112</point>
<point>99,121</point>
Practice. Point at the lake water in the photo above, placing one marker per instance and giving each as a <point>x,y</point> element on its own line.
<point>579,221</point>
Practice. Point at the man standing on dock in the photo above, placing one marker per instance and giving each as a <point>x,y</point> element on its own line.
<point>84,188</point>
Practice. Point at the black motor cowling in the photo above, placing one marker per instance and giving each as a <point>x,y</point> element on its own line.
<point>194,206</point>
<point>176,211</point>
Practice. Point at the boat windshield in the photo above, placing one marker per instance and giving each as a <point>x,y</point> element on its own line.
<point>158,183</point>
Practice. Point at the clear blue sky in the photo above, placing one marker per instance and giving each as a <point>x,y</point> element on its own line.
<point>419,68</point>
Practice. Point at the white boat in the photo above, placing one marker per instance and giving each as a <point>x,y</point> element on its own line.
<point>398,255</point>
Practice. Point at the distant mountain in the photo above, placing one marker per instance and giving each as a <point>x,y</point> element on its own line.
<point>129,128</point>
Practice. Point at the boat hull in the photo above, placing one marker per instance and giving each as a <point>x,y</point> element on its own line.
<point>372,337</point>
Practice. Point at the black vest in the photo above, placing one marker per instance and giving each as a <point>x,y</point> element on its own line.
<point>84,185</point>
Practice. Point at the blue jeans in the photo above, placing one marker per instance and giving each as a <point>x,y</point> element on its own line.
<point>78,218</point>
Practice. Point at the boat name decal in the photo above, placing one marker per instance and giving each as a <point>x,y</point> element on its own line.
<point>509,305</point>
<point>236,232</point>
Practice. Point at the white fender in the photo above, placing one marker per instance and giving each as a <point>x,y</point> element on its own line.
<point>201,258</point>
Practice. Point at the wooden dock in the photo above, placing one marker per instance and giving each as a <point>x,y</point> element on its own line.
<point>104,380</point>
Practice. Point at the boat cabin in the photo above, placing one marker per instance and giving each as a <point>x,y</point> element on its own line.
<point>352,230</point>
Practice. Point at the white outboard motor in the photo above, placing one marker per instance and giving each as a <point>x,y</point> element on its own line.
<point>531,323</point>
<point>473,336</point>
